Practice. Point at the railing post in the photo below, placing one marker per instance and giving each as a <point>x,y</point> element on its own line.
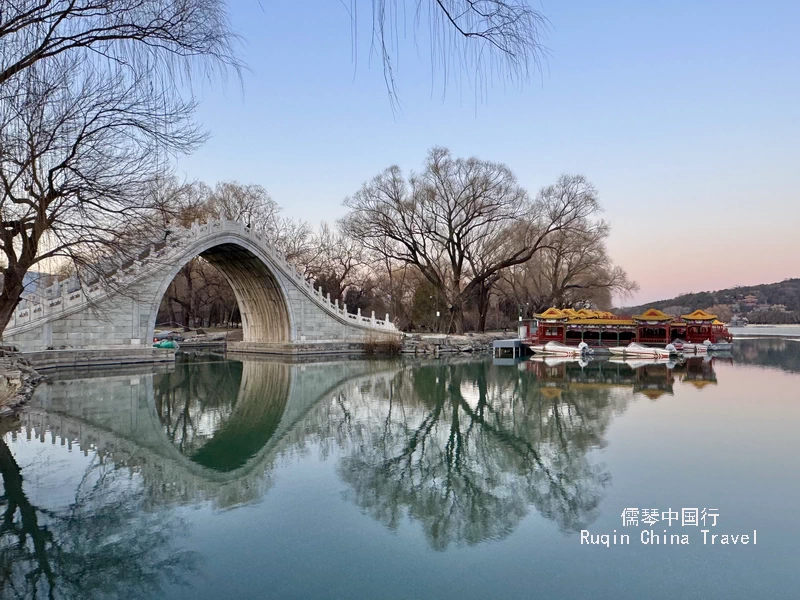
<point>373,317</point>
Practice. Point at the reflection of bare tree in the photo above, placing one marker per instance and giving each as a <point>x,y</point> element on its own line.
<point>220,413</point>
<point>778,353</point>
<point>466,448</point>
<point>103,544</point>
<point>194,397</point>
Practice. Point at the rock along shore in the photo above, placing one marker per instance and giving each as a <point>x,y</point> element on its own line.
<point>434,344</point>
<point>18,380</point>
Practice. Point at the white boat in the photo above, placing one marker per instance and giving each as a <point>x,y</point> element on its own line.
<point>559,349</point>
<point>634,349</point>
<point>718,346</point>
<point>689,348</point>
<point>694,349</point>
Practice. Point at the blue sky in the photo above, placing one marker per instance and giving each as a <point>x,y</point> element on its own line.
<point>685,115</point>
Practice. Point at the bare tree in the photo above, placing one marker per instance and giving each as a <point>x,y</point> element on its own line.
<point>296,240</point>
<point>340,262</point>
<point>160,37</point>
<point>176,203</point>
<point>91,107</point>
<point>203,294</point>
<point>462,221</point>
<point>574,268</point>
<point>248,203</point>
<point>79,149</point>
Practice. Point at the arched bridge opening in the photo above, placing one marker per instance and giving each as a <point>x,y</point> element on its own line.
<point>262,306</point>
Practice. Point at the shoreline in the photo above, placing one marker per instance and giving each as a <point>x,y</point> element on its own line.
<point>777,331</point>
<point>18,381</point>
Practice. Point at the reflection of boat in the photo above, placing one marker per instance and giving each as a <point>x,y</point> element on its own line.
<point>559,349</point>
<point>643,362</point>
<point>554,361</point>
<point>648,375</point>
<point>699,372</point>
<point>635,349</point>
<point>718,346</point>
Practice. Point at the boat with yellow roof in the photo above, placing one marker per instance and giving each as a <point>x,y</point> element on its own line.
<point>603,329</point>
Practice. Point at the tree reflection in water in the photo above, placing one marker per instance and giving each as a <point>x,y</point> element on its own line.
<point>101,544</point>
<point>220,413</point>
<point>465,448</point>
<point>780,353</point>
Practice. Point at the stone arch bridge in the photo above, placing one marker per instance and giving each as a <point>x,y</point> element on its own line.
<point>282,311</point>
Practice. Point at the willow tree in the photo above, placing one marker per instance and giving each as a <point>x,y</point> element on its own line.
<point>485,39</point>
<point>462,222</point>
<point>93,106</point>
<point>574,268</point>
<point>137,35</point>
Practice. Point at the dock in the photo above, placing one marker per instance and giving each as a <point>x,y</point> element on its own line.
<point>502,346</point>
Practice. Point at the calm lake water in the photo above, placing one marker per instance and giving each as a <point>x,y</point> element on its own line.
<point>441,479</point>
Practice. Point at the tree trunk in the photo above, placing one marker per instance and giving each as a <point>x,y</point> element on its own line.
<point>16,499</point>
<point>12,291</point>
<point>189,307</point>
<point>483,307</point>
<point>456,324</point>
<point>171,305</point>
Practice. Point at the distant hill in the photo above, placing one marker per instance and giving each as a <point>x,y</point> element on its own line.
<point>769,298</point>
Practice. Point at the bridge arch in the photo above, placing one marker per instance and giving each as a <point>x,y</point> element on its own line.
<point>282,311</point>
<point>261,295</point>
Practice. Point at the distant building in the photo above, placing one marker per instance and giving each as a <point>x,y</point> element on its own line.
<point>750,301</point>
<point>778,307</point>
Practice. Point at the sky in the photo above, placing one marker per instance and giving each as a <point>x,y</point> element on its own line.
<point>685,115</point>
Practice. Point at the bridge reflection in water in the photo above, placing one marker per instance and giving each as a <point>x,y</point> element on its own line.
<point>221,413</point>
<point>462,447</point>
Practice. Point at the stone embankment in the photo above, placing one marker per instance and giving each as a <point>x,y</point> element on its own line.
<point>435,344</point>
<point>18,380</point>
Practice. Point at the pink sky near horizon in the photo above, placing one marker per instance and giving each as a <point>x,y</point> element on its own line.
<point>732,249</point>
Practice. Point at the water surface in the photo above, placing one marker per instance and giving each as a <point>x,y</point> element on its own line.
<point>456,478</point>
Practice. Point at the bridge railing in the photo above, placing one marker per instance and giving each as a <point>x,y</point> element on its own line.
<point>62,295</point>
